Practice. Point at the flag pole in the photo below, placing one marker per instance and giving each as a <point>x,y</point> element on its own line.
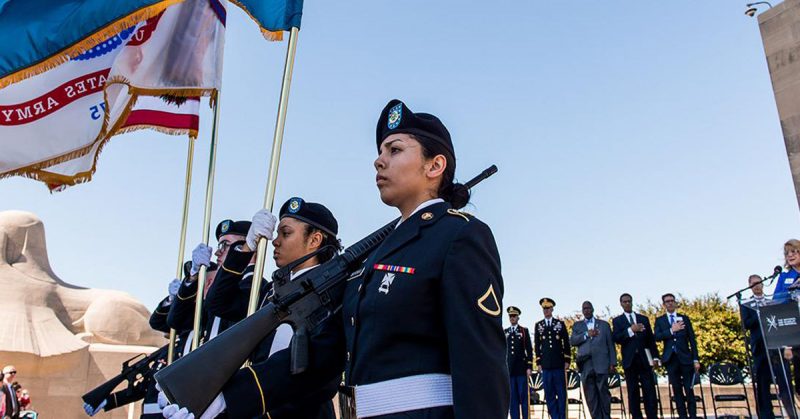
<point>201,280</point>
<point>274,161</point>
<point>184,220</point>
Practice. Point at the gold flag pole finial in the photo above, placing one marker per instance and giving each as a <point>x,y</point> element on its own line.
<point>182,242</point>
<point>274,162</point>
<point>201,280</point>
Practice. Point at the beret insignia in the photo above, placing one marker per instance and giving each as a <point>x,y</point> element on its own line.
<point>395,116</point>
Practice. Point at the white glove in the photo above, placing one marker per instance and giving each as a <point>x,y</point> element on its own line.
<point>201,256</point>
<point>173,411</point>
<point>91,411</point>
<point>162,398</point>
<point>263,225</point>
<point>174,286</point>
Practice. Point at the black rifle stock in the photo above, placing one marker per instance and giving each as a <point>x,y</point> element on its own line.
<point>139,371</point>
<point>303,303</point>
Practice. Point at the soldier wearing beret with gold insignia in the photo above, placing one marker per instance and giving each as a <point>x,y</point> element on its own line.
<point>422,321</point>
<point>519,354</point>
<point>551,342</point>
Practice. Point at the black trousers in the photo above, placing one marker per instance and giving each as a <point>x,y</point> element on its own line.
<point>765,381</point>
<point>796,366</point>
<point>763,387</point>
<point>639,376</point>
<point>681,378</point>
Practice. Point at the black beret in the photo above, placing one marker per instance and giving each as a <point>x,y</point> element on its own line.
<point>232,227</point>
<point>397,118</point>
<point>547,302</point>
<point>317,215</point>
<point>513,310</point>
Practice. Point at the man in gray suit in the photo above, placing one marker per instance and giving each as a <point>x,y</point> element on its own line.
<point>597,358</point>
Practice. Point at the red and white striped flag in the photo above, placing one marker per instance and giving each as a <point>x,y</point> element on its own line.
<point>54,125</point>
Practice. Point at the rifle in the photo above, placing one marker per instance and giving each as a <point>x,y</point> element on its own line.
<point>303,303</point>
<point>136,375</point>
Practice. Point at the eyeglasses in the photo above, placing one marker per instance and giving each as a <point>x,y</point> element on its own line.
<point>791,252</point>
<point>11,372</point>
<point>669,301</point>
<point>221,246</point>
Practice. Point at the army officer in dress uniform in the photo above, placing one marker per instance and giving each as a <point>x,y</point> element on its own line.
<point>423,325</point>
<point>519,354</point>
<point>551,342</point>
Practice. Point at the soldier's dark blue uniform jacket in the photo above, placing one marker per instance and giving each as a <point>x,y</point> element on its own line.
<point>268,386</point>
<point>552,344</point>
<point>519,351</point>
<point>429,301</point>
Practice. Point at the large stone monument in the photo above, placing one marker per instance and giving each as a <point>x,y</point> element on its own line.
<point>63,339</point>
<point>780,33</point>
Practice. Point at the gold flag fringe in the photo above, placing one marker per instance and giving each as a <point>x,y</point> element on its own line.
<point>36,171</point>
<point>268,34</point>
<point>87,43</point>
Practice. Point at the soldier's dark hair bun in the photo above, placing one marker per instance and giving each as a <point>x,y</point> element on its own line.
<point>456,194</point>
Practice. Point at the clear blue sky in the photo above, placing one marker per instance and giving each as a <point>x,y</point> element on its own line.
<point>638,143</point>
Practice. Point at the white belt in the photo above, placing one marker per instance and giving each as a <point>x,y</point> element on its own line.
<point>150,409</point>
<point>404,394</point>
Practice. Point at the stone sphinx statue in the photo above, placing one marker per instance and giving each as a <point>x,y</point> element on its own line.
<point>63,339</point>
<point>45,316</point>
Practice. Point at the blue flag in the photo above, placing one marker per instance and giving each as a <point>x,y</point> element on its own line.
<point>273,16</point>
<point>41,34</point>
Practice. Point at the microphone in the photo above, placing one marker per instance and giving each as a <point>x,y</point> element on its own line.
<point>775,272</point>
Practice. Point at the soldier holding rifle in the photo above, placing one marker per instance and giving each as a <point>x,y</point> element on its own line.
<point>423,336</point>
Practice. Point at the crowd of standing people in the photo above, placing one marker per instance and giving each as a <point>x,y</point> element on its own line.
<point>596,342</point>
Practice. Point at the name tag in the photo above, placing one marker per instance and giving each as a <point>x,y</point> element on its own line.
<point>788,281</point>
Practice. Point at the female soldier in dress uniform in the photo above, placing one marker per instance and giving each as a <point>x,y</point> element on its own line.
<point>423,335</point>
<point>423,326</point>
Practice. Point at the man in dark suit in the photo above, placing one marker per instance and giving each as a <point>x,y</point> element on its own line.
<point>634,334</point>
<point>596,359</point>
<point>12,404</point>
<point>519,355</point>
<point>680,355</point>
<point>551,341</point>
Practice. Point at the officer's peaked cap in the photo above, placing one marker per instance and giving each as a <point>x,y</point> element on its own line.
<point>547,302</point>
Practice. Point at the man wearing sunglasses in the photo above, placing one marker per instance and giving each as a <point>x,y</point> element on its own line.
<point>12,405</point>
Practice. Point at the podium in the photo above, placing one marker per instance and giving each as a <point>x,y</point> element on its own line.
<point>780,328</point>
<point>780,324</point>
